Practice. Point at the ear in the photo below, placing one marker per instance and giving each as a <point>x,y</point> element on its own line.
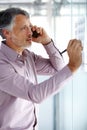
<point>6,33</point>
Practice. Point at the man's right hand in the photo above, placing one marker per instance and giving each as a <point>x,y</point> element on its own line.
<point>74,51</point>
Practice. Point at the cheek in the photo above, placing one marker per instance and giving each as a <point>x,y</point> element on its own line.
<point>22,35</point>
<point>19,36</point>
<point>15,38</point>
<point>19,33</point>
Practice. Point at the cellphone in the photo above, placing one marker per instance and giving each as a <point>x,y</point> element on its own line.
<point>35,34</point>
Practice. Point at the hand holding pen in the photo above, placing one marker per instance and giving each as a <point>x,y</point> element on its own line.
<point>66,49</point>
<point>74,51</point>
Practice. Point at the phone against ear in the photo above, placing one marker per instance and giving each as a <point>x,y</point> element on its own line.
<point>35,34</point>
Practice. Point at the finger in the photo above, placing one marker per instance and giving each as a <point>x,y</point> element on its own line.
<point>39,30</point>
<point>34,27</point>
<point>70,45</point>
<point>80,49</point>
<point>76,44</point>
<point>71,42</point>
<point>79,45</point>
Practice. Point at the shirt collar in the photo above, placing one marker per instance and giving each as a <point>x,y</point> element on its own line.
<point>11,54</point>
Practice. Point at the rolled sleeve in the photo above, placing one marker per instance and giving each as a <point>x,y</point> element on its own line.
<point>55,56</point>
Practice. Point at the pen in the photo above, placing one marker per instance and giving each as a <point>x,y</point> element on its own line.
<point>63,51</point>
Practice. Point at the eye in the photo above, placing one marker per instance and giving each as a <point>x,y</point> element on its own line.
<point>30,26</point>
<point>24,28</point>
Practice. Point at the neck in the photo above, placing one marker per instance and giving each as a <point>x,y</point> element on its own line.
<point>18,49</point>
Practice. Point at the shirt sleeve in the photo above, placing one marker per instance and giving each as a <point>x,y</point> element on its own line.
<point>54,55</point>
<point>49,66</point>
<point>16,85</point>
<point>51,86</point>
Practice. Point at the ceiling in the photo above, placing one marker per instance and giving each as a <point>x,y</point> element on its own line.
<point>40,7</point>
<point>42,1</point>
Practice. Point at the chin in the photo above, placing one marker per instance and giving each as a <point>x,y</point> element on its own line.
<point>28,45</point>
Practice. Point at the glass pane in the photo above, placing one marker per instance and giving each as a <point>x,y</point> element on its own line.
<point>63,20</point>
<point>71,101</point>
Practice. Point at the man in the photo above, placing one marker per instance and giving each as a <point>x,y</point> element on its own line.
<point>19,89</point>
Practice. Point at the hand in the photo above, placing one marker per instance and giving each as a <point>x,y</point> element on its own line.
<point>74,51</point>
<point>43,36</point>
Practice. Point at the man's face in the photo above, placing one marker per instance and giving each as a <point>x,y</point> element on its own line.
<point>21,34</point>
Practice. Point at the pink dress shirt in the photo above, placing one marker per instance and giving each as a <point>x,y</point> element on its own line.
<point>19,89</point>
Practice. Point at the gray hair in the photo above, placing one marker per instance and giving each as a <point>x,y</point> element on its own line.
<point>7,17</point>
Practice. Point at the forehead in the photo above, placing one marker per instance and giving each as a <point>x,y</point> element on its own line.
<point>21,19</point>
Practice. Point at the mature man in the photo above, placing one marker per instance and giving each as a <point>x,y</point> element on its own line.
<point>19,89</point>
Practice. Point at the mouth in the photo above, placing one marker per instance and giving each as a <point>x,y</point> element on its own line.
<point>29,39</point>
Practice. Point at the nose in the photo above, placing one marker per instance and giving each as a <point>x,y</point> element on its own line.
<point>29,31</point>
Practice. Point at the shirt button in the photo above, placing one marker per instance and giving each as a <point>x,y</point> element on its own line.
<point>18,56</point>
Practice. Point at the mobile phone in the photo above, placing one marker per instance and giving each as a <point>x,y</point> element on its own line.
<point>35,34</point>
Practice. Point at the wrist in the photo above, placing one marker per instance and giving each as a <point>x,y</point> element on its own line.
<point>47,41</point>
<point>72,67</point>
